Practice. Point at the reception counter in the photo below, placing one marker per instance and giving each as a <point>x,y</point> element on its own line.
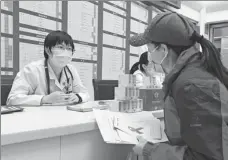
<point>55,133</point>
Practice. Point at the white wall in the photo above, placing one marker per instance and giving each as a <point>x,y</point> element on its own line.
<point>202,21</point>
<point>188,12</point>
<point>217,16</point>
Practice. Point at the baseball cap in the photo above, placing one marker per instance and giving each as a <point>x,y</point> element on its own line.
<point>169,28</point>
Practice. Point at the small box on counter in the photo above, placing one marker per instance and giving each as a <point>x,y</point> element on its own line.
<point>127,106</point>
<point>154,81</point>
<point>126,93</point>
<point>127,80</point>
<point>152,99</point>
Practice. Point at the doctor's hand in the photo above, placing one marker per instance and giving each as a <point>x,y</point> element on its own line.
<point>55,97</point>
<point>73,98</point>
<point>138,148</point>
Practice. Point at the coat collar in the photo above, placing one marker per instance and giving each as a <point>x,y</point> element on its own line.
<point>53,77</point>
<point>185,57</point>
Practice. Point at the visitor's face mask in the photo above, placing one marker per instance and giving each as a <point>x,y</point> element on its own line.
<point>61,57</point>
<point>156,57</point>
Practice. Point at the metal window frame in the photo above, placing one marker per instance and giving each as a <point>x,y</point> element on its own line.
<point>64,21</point>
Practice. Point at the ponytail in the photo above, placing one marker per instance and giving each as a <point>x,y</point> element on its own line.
<point>212,59</point>
<point>138,65</point>
<point>134,68</point>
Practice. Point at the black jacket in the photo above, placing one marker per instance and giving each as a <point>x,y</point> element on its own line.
<point>196,113</point>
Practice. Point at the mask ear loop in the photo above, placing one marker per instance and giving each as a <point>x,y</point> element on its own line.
<point>150,59</point>
<point>162,62</point>
<point>166,54</point>
<point>164,58</point>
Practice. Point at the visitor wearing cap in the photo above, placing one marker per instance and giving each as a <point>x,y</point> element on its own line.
<point>195,87</point>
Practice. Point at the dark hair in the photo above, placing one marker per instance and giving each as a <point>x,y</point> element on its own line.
<point>211,59</point>
<point>57,37</point>
<point>142,60</point>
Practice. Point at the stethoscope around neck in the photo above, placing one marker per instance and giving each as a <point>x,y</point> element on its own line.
<point>48,77</point>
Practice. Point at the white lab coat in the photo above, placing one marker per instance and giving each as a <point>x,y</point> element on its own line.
<point>139,78</point>
<point>30,84</point>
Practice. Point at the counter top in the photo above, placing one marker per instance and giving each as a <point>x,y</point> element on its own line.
<point>45,122</point>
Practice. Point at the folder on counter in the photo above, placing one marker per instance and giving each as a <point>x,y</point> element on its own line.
<point>123,128</point>
<point>87,106</point>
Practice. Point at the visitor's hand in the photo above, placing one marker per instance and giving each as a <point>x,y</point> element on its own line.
<point>138,148</point>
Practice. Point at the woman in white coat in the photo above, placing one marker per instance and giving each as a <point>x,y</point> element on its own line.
<point>142,69</point>
<point>52,80</point>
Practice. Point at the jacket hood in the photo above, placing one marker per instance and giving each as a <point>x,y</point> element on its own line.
<point>185,57</point>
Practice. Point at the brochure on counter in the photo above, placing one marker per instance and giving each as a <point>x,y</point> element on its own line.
<point>123,128</point>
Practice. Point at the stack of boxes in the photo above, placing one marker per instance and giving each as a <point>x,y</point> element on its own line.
<point>152,93</point>
<point>154,81</point>
<point>127,95</point>
<point>130,99</point>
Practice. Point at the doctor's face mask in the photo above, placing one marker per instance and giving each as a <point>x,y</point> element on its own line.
<point>61,55</point>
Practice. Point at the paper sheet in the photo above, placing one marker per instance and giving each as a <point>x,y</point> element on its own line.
<point>116,23</point>
<point>129,129</point>
<point>6,52</point>
<point>51,8</point>
<point>102,118</point>
<point>7,5</point>
<point>83,21</point>
<point>139,12</point>
<point>114,62</point>
<point>30,53</point>
<point>86,107</point>
<point>6,23</point>
<point>39,22</point>
<point>128,126</point>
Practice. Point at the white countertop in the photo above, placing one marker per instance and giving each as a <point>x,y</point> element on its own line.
<point>45,122</point>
